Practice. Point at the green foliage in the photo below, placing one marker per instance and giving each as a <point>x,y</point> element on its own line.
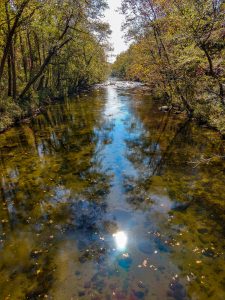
<point>178,50</point>
<point>49,49</point>
<point>121,66</point>
<point>9,111</point>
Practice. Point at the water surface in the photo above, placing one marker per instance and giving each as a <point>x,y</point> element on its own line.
<point>105,197</point>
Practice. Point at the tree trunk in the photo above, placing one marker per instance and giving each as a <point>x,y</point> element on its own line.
<point>11,33</point>
<point>31,60</point>
<point>13,62</point>
<point>38,47</point>
<point>24,59</point>
<point>51,53</point>
<point>213,74</point>
<point>9,77</point>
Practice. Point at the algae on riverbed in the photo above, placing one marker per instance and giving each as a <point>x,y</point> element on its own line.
<point>101,164</point>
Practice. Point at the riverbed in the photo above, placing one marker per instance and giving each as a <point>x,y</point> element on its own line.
<point>104,196</point>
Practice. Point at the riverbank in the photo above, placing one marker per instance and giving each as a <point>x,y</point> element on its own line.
<point>20,118</point>
<point>14,115</point>
<point>120,84</point>
<point>215,123</point>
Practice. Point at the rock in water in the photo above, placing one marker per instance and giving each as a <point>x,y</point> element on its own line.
<point>177,291</point>
<point>178,206</point>
<point>161,245</point>
<point>164,108</point>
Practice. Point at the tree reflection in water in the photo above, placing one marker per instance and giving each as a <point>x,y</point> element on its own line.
<point>99,200</point>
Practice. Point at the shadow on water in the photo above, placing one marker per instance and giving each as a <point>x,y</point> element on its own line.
<point>105,197</point>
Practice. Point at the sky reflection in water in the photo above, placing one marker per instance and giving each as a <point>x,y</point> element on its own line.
<point>99,201</point>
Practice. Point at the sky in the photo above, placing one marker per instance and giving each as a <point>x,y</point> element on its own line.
<point>115,19</point>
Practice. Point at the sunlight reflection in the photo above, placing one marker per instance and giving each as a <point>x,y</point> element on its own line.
<point>121,240</point>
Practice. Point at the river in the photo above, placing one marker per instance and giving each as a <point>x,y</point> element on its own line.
<point>103,196</point>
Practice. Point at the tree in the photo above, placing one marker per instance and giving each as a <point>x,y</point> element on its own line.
<point>35,40</point>
<point>178,49</point>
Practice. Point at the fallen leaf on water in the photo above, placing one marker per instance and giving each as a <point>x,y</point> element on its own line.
<point>198,261</point>
<point>144,264</point>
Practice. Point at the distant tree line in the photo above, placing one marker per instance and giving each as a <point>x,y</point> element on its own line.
<point>178,49</point>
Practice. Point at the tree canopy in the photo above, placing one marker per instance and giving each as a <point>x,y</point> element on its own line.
<point>48,48</point>
<point>179,51</point>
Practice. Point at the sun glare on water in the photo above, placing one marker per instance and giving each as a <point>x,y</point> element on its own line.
<point>120,239</point>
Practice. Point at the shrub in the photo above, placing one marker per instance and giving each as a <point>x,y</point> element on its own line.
<point>9,112</point>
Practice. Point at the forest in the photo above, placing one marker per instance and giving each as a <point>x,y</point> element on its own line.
<point>178,50</point>
<point>112,149</point>
<point>48,49</point>
<point>51,48</point>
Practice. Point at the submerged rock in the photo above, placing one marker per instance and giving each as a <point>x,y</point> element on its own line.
<point>164,108</point>
<point>81,293</point>
<point>139,294</point>
<point>87,214</point>
<point>177,291</point>
<point>141,285</point>
<point>209,253</point>
<point>162,247</point>
<point>180,206</point>
<point>203,230</point>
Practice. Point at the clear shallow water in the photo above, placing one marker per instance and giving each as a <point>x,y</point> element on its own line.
<point>105,197</point>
